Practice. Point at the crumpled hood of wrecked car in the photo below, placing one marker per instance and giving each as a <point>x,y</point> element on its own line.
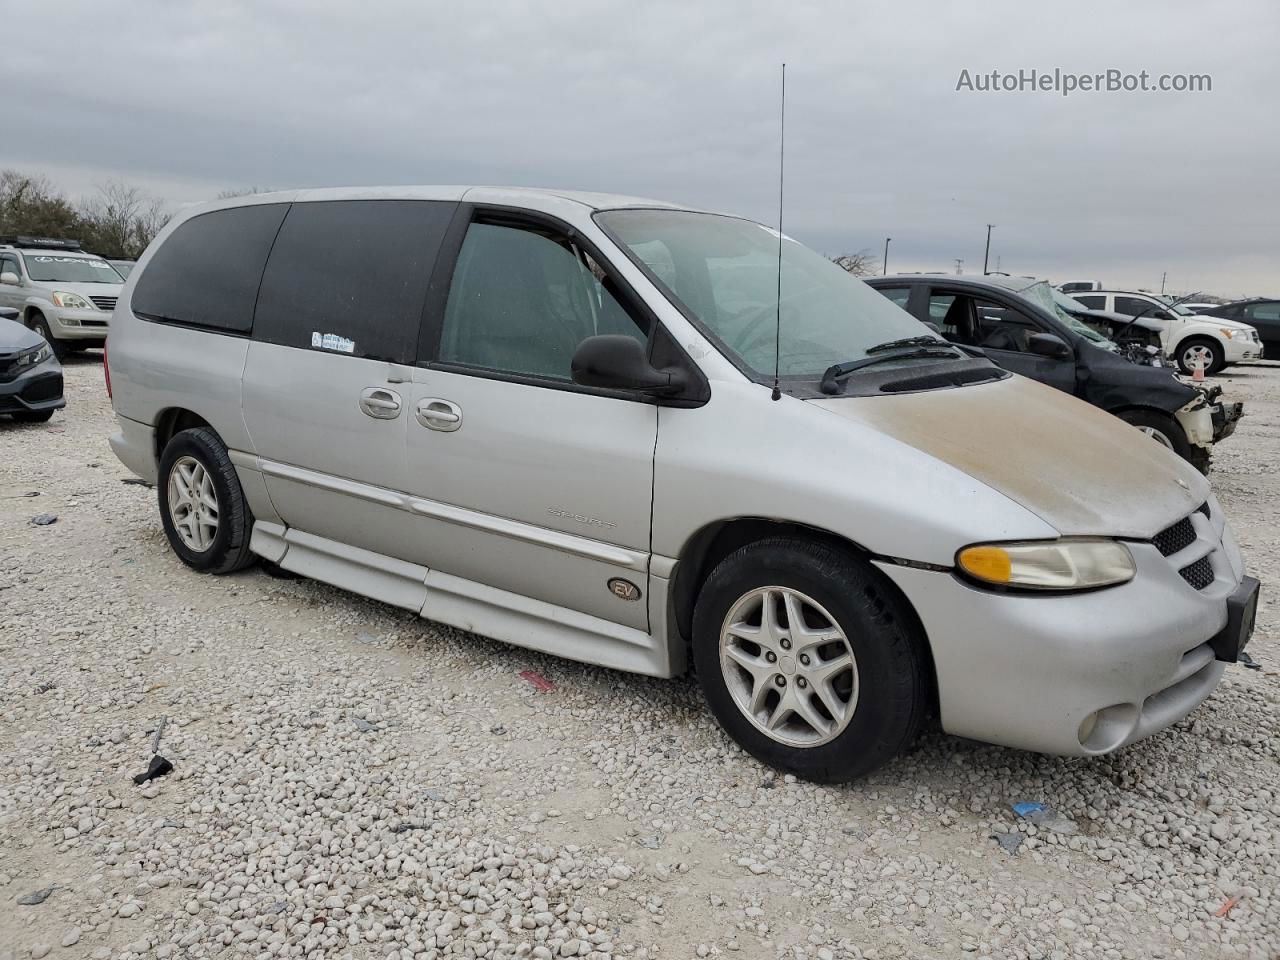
<point>1080,469</point>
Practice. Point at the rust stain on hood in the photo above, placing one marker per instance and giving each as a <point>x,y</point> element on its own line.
<point>1078,468</point>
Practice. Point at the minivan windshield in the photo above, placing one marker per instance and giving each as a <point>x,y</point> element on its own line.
<point>723,272</point>
<point>63,269</point>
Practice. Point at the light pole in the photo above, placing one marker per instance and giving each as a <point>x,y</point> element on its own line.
<point>987,256</point>
<point>885,271</point>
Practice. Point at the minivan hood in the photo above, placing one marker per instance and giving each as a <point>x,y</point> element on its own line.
<point>1081,470</point>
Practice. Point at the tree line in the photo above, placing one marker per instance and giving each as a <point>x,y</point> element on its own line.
<point>117,222</point>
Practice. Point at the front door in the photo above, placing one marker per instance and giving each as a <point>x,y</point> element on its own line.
<point>1002,332</point>
<point>523,481</point>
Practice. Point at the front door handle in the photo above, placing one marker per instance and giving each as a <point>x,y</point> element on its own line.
<point>436,414</point>
<point>380,403</point>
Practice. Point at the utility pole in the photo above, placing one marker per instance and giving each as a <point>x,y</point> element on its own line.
<point>1163,277</point>
<point>885,271</point>
<point>986,256</point>
<point>959,266</point>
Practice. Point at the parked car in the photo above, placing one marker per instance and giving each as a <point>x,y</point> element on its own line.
<point>30,375</point>
<point>1016,322</point>
<point>1190,339</point>
<point>123,267</point>
<point>553,418</point>
<point>1138,339</point>
<point>61,292</point>
<point>1261,314</point>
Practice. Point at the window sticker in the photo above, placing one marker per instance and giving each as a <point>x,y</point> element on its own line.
<point>96,264</point>
<point>331,341</point>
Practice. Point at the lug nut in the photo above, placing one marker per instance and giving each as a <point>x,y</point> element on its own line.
<point>786,644</point>
<point>771,657</point>
<point>780,680</point>
<point>804,659</point>
<point>802,682</point>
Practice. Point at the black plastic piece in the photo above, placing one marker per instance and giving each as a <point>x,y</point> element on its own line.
<point>158,767</point>
<point>1242,609</point>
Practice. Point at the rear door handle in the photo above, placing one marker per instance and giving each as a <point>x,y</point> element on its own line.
<point>380,403</point>
<point>442,415</point>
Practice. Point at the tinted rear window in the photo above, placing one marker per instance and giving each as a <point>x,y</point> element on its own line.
<point>351,276</point>
<point>206,274</point>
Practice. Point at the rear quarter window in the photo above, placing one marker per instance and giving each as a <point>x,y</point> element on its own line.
<point>206,273</point>
<point>351,276</point>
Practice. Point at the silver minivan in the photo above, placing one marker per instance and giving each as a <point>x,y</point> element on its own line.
<point>639,435</point>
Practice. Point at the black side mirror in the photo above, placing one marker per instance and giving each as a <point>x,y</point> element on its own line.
<point>1048,345</point>
<point>618,362</point>
<point>8,313</point>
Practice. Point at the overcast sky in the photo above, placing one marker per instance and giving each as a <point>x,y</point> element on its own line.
<point>680,100</point>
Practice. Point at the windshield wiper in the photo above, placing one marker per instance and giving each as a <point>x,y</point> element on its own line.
<point>924,340</point>
<point>836,372</point>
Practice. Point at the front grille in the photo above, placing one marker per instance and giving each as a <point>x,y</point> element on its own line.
<point>104,303</point>
<point>8,368</point>
<point>1178,537</point>
<point>1198,574</point>
<point>46,388</point>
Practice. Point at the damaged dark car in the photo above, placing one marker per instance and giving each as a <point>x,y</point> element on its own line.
<point>1017,324</point>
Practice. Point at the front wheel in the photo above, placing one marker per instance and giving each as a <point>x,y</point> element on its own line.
<point>1200,353</point>
<point>1166,431</point>
<point>41,326</point>
<point>202,506</point>
<point>809,659</point>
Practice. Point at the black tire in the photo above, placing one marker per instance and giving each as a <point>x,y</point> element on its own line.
<point>887,644</point>
<point>41,326</point>
<point>33,416</point>
<point>1170,433</point>
<point>229,550</point>
<point>1217,357</point>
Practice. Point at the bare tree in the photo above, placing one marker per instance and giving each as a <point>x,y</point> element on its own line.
<point>31,205</point>
<point>860,264</point>
<point>123,220</point>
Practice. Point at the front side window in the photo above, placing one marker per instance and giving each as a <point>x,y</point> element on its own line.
<point>1002,328</point>
<point>10,265</point>
<point>350,276</point>
<point>62,268</point>
<point>723,272</point>
<point>1132,306</point>
<point>522,299</point>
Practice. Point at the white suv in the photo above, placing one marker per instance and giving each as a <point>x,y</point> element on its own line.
<point>1192,340</point>
<point>61,292</point>
<point>553,419</point>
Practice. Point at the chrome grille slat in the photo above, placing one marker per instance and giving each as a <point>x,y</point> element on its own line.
<point>104,303</point>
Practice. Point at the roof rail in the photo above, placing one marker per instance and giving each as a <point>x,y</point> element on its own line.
<point>42,243</point>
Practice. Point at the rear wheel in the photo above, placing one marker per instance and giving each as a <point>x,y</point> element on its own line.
<point>1200,352</point>
<point>41,326</point>
<point>809,659</point>
<point>202,506</point>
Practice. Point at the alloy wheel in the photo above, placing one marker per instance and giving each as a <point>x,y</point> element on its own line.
<point>788,666</point>
<point>1198,355</point>
<point>193,504</point>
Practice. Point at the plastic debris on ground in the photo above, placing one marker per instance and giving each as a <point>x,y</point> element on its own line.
<point>1009,842</point>
<point>158,766</point>
<point>1045,816</point>
<point>1226,907</point>
<point>35,897</point>
<point>539,682</point>
<point>1248,661</point>
<point>44,519</point>
<point>364,726</point>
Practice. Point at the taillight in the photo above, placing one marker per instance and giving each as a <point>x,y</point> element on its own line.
<point>106,370</point>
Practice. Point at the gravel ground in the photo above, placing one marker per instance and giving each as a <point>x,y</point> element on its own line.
<point>351,781</point>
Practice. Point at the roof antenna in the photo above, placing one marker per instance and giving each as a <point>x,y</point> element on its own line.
<point>782,153</point>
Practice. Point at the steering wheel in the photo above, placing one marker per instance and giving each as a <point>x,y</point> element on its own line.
<point>762,313</point>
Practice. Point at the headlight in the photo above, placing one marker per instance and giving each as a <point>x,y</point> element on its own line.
<point>72,301</point>
<point>1050,565</point>
<point>39,355</point>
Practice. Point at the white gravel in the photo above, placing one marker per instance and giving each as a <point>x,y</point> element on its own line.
<point>352,781</point>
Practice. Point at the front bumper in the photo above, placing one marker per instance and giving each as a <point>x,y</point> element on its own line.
<point>67,324</point>
<point>1082,674</point>
<point>39,388</point>
<point>1242,351</point>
